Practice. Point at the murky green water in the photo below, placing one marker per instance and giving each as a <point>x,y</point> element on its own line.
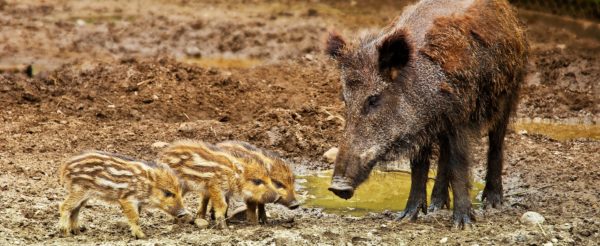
<point>559,131</point>
<point>382,191</point>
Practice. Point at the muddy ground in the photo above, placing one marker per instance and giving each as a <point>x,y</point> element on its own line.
<point>119,76</point>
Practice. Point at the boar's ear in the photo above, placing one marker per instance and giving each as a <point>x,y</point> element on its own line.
<point>335,45</point>
<point>394,52</point>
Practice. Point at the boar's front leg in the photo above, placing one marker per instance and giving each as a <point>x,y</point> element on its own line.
<point>130,209</point>
<point>458,165</point>
<point>417,198</point>
<point>440,197</point>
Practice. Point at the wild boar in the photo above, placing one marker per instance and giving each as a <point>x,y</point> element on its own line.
<point>217,176</point>
<point>121,179</point>
<point>279,171</point>
<point>440,72</point>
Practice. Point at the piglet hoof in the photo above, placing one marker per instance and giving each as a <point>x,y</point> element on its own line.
<point>78,230</point>
<point>491,199</point>
<point>138,234</point>
<point>65,231</point>
<point>463,221</point>
<point>201,223</point>
<point>221,224</point>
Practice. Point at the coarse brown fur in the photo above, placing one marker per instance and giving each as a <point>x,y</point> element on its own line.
<point>441,72</point>
<point>279,171</point>
<point>121,179</point>
<point>217,176</point>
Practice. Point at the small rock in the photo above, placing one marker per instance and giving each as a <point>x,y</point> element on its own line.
<point>331,154</point>
<point>201,223</point>
<point>309,57</point>
<point>312,12</point>
<point>444,240</point>
<point>159,145</point>
<point>193,51</point>
<point>561,46</point>
<point>111,106</point>
<point>30,97</point>
<point>80,22</point>
<point>532,218</point>
<point>554,240</point>
<point>186,128</point>
<point>548,244</point>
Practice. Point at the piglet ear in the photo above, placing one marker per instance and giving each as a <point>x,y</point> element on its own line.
<point>394,51</point>
<point>335,45</point>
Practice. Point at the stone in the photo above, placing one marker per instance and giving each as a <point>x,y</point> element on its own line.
<point>532,218</point>
<point>444,240</point>
<point>201,223</point>
<point>159,145</point>
<point>331,154</point>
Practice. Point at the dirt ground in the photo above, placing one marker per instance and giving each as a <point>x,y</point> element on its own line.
<point>122,75</point>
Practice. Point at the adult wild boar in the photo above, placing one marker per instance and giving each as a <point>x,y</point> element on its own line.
<point>443,70</point>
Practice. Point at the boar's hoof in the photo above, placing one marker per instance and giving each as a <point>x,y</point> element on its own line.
<point>463,220</point>
<point>412,210</point>
<point>491,199</point>
<point>438,204</point>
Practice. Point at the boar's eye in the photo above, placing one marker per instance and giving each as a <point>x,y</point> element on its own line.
<point>278,184</point>
<point>372,103</point>
<point>257,182</point>
<point>168,193</point>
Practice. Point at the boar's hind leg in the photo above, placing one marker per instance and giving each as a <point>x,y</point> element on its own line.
<point>417,198</point>
<point>69,212</point>
<point>458,164</point>
<point>440,197</point>
<point>131,212</point>
<point>492,193</point>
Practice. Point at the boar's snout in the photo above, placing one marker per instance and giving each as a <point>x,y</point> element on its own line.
<point>341,187</point>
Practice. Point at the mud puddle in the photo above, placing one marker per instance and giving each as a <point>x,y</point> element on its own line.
<point>222,62</point>
<point>382,191</point>
<point>557,130</point>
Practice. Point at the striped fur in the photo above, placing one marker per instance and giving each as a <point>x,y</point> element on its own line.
<point>121,179</point>
<point>217,176</point>
<point>279,171</point>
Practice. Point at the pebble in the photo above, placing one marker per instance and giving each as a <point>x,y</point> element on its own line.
<point>532,218</point>
<point>548,244</point>
<point>444,240</point>
<point>201,223</point>
<point>80,22</point>
<point>159,145</point>
<point>554,240</point>
<point>331,154</point>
